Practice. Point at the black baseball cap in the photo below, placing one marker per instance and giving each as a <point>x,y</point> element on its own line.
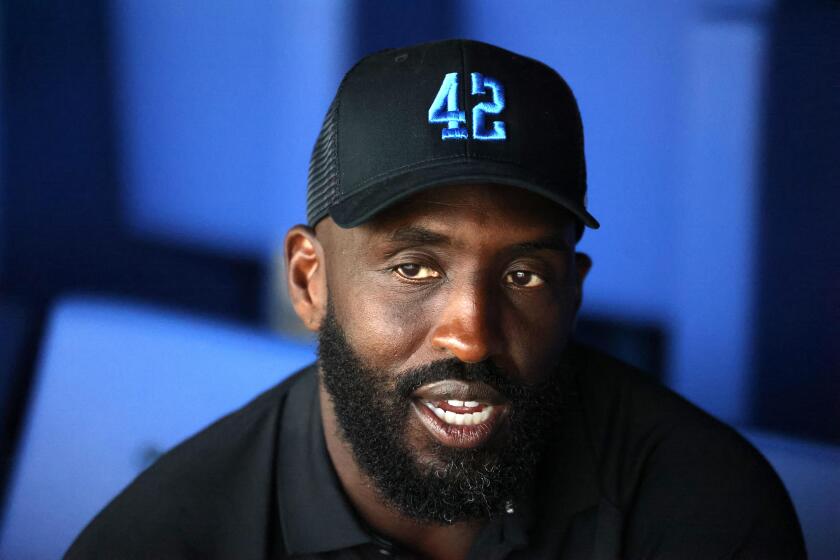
<point>446,113</point>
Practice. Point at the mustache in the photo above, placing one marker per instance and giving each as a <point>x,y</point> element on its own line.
<point>485,372</point>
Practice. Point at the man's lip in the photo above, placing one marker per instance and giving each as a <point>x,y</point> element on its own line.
<point>461,436</point>
<point>455,389</point>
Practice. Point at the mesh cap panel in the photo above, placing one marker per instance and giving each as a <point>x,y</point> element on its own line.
<point>322,184</point>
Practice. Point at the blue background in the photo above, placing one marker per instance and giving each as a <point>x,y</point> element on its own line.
<point>158,151</point>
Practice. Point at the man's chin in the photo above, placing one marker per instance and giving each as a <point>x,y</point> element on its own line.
<point>436,460</point>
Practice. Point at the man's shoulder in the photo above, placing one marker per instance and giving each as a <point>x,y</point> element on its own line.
<point>613,392</point>
<point>625,404</point>
<point>676,473</point>
<point>230,436</point>
<point>207,492</point>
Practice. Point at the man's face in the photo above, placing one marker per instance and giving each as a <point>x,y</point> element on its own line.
<point>443,343</point>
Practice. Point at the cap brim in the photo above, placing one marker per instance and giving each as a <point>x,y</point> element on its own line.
<point>361,206</point>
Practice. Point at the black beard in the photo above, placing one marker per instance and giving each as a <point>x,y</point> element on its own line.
<point>372,410</point>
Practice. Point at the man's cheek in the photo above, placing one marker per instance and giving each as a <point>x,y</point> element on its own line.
<point>536,340</point>
<point>387,333</point>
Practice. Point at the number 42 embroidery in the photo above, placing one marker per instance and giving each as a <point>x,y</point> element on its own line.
<point>445,109</point>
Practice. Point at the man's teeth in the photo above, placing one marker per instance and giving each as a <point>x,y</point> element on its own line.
<point>468,404</point>
<point>468,419</point>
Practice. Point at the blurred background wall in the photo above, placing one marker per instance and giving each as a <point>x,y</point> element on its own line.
<point>158,151</point>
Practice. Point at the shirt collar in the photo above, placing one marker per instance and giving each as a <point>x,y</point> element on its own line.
<point>315,515</point>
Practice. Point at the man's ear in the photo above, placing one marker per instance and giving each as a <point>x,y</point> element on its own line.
<point>306,275</point>
<point>582,263</point>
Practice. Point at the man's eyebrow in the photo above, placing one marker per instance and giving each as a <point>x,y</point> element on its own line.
<point>549,243</point>
<point>417,235</point>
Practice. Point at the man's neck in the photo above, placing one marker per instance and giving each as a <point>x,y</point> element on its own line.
<point>440,542</point>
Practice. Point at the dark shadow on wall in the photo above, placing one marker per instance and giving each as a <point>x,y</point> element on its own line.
<point>797,368</point>
<point>20,335</point>
<point>65,228</point>
<point>639,344</point>
<point>384,25</point>
<point>62,227</point>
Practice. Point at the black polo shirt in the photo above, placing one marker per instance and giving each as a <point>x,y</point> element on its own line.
<point>633,471</point>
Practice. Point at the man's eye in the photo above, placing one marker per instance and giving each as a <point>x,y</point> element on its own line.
<point>414,271</point>
<point>524,279</point>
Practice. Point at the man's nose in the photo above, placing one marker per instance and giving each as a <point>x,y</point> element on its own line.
<point>468,328</point>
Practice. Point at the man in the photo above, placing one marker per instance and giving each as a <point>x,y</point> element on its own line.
<point>450,415</point>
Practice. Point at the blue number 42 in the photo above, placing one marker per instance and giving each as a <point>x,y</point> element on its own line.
<point>445,109</point>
